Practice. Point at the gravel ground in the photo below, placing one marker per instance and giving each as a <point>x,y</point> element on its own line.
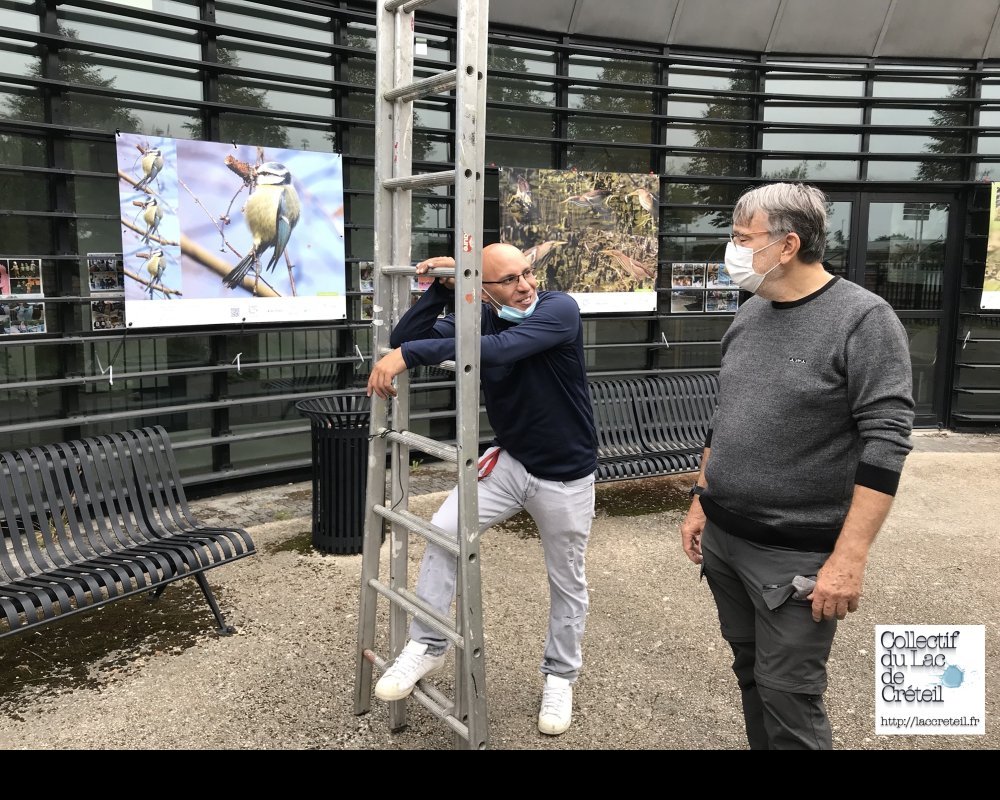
<point>141,675</point>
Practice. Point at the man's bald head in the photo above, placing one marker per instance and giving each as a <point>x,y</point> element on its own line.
<point>500,259</point>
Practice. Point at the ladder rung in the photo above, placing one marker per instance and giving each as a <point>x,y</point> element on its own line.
<point>441,82</point>
<point>443,178</point>
<point>421,443</point>
<point>412,604</point>
<point>414,523</point>
<point>429,697</point>
<point>436,272</point>
<point>405,5</point>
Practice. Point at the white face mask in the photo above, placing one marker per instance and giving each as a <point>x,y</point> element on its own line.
<point>739,265</point>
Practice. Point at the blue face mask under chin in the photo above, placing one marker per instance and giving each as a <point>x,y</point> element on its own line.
<point>512,314</point>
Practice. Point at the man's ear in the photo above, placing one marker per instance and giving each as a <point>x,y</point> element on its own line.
<point>791,245</point>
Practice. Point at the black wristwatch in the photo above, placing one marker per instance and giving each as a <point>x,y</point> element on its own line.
<point>696,490</point>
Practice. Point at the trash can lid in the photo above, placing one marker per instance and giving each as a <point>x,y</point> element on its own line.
<point>347,408</point>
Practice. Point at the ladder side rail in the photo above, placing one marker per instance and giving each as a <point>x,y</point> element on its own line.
<point>384,201</point>
<point>470,125</point>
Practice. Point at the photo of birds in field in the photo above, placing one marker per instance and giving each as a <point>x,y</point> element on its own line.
<point>259,229</point>
<point>591,234</point>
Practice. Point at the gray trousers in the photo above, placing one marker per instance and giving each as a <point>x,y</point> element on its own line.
<point>563,513</point>
<point>779,652</point>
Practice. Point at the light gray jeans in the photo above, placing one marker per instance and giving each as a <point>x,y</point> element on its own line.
<point>563,513</point>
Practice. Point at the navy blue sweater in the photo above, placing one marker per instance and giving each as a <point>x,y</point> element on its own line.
<point>532,373</point>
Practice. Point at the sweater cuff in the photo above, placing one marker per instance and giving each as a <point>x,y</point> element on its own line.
<point>878,479</point>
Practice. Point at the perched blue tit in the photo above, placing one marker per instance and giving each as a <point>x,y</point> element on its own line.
<point>271,213</point>
<point>152,163</point>
<point>155,265</point>
<point>152,214</point>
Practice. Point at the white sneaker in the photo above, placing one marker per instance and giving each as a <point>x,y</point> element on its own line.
<point>557,706</point>
<point>411,665</point>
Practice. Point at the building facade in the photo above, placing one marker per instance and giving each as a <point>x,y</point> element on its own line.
<point>906,149</point>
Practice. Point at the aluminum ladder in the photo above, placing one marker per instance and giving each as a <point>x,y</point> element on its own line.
<point>396,89</point>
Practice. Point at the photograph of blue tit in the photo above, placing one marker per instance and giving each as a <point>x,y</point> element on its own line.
<point>147,199</point>
<point>259,229</point>
<point>274,217</point>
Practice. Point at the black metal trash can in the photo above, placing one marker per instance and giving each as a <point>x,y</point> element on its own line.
<point>340,470</point>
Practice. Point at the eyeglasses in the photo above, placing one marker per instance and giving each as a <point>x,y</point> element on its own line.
<point>742,238</point>
<point>510,280</point>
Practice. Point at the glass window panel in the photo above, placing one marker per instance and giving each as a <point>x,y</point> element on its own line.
<point>358,176</point>
<point>989,117</point>
<point>696,220</point>
<point>607,158</point>
<point>900,115</point>
<point>905,253</point>
<point>91,69</point>
<point>274,97</point>
<point>32,236</point>
<point>813,114</point>
<point>268,132</point>
<point>988,171</point>
<point>24,192</point>
<point>808,169</point>
<point>838,238</point>
<point>707,136</point>
<point>700,356</point>
<point>432,147</point>
<point>720,108</point>
<point>435,115</point>
<point>693,248</point>
<point>814,86</point>
<point>707,164</point>
<point>604,98</point>
<point>512,90</point>
<point>923,335</point>
<point>360,142</point>
<point>359,36</point>
<point>691,193</point>
<point>521,59</point>
<point>610,69</point>
<point>359,106</point>
<point>898,88</point>
<point>362,71</point>
<point>22,150</point>
<point>21,19</point>
<point>98,236</point>
<point>283,61</point>
<point>712,79</point>
<point>609,129</point>
<point>19,59</point>
<point>160,39</point>
<point>93,195</point>
<point>816,142</point>
<point>520,123</point>
<point>431,213</point>
<point>110,114</point>
<point>989,90</point>
<point>278,21</point>
<point>694,329</point>
<point>989,145</point>
<point>913,170</point>
<point>519,154</point>
<point>20,104</point>
<point>901,143</point>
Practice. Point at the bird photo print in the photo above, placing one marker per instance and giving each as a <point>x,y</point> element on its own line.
<point>591,234</point>
<point>224,233</point>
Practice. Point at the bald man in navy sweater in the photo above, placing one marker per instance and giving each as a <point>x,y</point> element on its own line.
<point>542,460</point>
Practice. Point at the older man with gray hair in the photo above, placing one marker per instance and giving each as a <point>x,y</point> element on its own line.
<point>801,463</point>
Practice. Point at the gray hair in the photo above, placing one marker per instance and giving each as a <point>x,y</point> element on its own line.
<point>790,208</point>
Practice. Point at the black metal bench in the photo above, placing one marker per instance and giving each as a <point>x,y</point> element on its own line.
<point>91,521</point>
<point>652,424</point>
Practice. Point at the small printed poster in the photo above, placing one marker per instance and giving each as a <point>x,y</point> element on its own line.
<point>105,273</point>
<point>687,288</point>
<point>107,314</point>
<point>723,296</point>
<point>21,277</point>
<point>19,316</point>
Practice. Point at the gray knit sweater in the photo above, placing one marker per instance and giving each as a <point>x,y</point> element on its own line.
<point>815,397</point>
